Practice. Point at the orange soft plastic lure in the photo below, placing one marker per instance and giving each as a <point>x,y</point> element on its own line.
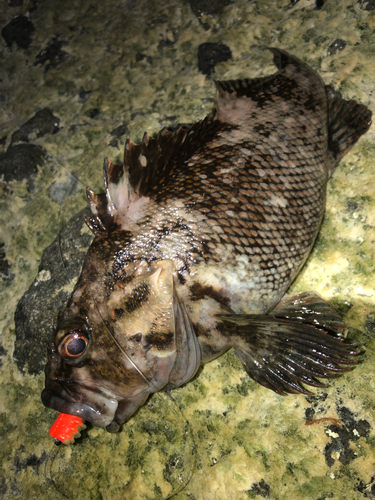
<point>66,428</point>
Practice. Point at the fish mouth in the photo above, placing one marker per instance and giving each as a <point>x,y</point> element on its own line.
<point>101,413</point>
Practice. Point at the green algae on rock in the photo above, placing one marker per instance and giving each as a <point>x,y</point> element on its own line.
<point>104,40</point>
<point>155,456</point>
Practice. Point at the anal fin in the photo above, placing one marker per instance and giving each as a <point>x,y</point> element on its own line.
<point>286,349</point>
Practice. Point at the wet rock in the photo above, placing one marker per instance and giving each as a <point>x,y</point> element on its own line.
<point>59,191</point>
<point>201,7</point>
<point>143,57</point>
<point>162,19</point>
<point>4,267</point>
<point>42,123</point>
<point>352,206</point>
<point>20,162</point>
<point>337,45</point>
<point>118,132</point>
<point>370,322</point>
<point>3,352</point>
<point>3,487</point>
<point>342,436</point>
<point>260,489</point>
<point>168,41</point>
<point>53,54</point>
<point>19,31</point>
<point>319,4</point>
<point>209,54</point>
<point>93,113</point>
<point>316,402</point>
<point>309,414</point>
<point>367,4</point>
<point>37,311</point>
<point>367,489</point>
<point>84,95</point>
<point>332,92</point>
<point>31,461</point>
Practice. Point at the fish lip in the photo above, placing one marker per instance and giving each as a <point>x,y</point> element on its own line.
<point>80,409</point>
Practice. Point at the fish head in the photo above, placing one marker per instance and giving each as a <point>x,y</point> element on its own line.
<point>87,376</point>
<point>115,342</point>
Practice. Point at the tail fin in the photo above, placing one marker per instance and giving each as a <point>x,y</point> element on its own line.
<point>291,347</point>
<point>347,121</point>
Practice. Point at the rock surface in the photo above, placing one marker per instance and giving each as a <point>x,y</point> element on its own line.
<point>110,69</point>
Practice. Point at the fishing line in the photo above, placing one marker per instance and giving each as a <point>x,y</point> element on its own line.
<point>112,335</point>
<point>73,182</point>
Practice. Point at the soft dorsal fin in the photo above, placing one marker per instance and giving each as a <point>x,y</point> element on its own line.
<point>241,87</point>
<point>246,86</point>
<point>238,100</point>
<point>347,121</point>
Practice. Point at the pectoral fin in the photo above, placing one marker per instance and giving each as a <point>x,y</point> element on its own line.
<point>289,348</point>
<point>310,308</point>
<point>187,346</point>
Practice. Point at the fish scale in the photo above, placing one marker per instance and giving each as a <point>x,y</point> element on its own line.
<point>284,183</point>
<point>197,237</point>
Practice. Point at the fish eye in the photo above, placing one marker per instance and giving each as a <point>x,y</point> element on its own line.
<point>73,345</point>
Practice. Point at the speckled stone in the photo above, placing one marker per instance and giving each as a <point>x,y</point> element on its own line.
<point>36,313</point>
<point>111,69</point>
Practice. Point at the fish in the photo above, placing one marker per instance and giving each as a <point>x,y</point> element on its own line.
<point>197,238</point>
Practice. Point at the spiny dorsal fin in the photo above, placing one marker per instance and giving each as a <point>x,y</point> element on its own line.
<point>152,163</point>
<point>105,206</point>
<point>97,202</point>
<point>347,121</point>
<point>146,167</point>
<point>147,163</point>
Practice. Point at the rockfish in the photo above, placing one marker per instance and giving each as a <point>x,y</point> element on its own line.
<point>198,236</point>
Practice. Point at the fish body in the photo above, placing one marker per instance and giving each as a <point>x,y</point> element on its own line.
<point>197,238</point>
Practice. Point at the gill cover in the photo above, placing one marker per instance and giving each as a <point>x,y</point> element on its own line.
<point>152,328</point>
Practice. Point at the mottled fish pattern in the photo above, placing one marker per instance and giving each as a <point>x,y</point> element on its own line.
<point>197,238</point>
